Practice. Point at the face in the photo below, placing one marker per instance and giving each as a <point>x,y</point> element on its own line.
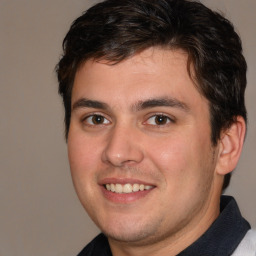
<point>139,147</point>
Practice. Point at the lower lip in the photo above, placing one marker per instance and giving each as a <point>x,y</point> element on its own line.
<point>124,198</point>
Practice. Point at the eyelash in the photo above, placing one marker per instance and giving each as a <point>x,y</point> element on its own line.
<point>90,117</point>
<point>162,117</point>
<point>167,120</point>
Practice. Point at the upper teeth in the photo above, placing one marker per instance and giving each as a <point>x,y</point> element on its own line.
<point>127,188</point>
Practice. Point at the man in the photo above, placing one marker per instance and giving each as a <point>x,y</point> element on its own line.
<point>155,122</point>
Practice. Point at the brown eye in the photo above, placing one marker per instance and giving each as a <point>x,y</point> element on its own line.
<point>96,120</point>
<point>158,120</point>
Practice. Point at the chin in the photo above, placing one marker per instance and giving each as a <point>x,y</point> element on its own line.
<point>135,238</point>
<point>136,233</point>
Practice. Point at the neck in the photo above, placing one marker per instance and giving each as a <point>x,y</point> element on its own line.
<point>173,243</point>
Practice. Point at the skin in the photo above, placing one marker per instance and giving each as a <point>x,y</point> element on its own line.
<point>143,121</point>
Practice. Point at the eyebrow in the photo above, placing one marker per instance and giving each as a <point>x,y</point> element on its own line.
<point>160,102</point>
<point>86,103</point>
<point>140,105</point>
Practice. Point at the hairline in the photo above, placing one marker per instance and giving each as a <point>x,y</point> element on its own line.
<point>168,46</point>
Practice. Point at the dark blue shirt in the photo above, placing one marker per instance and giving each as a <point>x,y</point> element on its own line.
<point>221,239</point>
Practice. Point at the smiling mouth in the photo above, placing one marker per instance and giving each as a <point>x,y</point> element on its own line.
<point>127,188</point>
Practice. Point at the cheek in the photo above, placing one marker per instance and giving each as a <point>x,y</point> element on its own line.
<point>83,155</point>
<point>180,160</point>
<point>170,154</point>
<point>83,163</point>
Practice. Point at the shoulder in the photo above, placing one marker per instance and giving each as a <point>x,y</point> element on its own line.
<point>247,246</point>
<point>97,247</point>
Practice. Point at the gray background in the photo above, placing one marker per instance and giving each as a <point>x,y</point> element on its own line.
<point>39,211</point>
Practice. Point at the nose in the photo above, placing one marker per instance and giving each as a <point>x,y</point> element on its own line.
<point>123,147</point>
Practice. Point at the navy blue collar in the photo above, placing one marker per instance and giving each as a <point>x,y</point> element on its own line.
<point>220,239</point>
<point>224,235</point>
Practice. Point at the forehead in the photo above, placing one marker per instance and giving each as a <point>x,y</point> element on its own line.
<point>152,73</point>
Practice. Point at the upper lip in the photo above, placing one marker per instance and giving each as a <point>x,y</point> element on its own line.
<point>123,181</point>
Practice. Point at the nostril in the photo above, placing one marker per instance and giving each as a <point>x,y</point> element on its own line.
<point>122,148</point>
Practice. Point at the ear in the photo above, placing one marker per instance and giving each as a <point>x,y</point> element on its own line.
<point>230,146</point>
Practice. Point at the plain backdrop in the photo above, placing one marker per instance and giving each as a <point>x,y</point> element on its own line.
<point>39,211</point>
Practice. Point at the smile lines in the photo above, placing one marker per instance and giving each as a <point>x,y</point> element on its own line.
<point>127,188</point>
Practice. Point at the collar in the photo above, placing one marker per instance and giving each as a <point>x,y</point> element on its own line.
<point>220,239</point>
<point>224,235</point>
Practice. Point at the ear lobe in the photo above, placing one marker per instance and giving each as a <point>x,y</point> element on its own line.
<point>231,144</point>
